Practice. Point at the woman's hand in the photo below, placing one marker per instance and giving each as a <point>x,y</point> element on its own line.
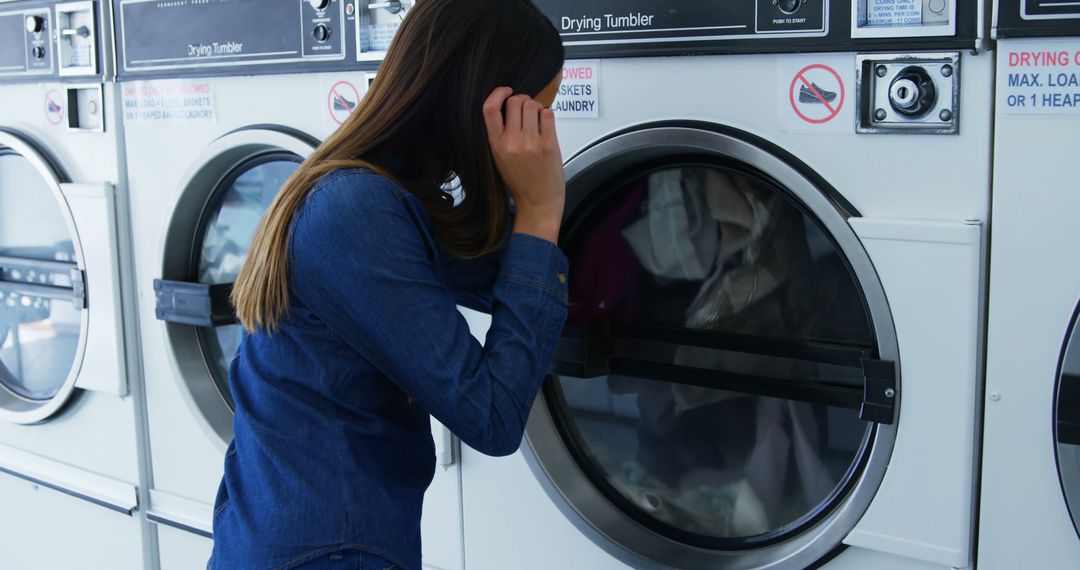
<point>527,155</point>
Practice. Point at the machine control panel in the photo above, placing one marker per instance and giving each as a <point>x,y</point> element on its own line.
<point>592,22</point>
<point>25,43</point>
<point>1036,18</point>
<point>167,36</point>
<point>612,28</point>
<point>1050,9</point>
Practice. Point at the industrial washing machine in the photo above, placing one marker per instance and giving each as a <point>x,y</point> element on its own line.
<point>772,358</point>
<point>1030,500</point>
<point>222,102</point>
<point>69,418</point>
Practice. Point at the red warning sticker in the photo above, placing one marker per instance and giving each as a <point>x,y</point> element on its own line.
<point>54,107</point>
<point>817,94</point>
<point>342,101</point>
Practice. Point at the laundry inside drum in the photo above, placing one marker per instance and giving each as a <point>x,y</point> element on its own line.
<point>697,251</point>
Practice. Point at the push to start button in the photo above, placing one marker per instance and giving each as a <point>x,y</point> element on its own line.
<point>789,6</point>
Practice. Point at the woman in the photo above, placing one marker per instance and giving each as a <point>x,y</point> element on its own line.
<point>349,295</point>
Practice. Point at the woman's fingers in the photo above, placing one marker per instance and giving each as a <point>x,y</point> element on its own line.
<point>493,116</point>
<point>530,119</point>
<point>547,127</point>
<point>514,109</point>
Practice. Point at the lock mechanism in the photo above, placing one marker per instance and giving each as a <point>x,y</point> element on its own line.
<point>913,94</point>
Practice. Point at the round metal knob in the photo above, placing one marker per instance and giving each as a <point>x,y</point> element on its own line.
<point>319,4</point>
<point>321,33</point>
<point>34,24</point>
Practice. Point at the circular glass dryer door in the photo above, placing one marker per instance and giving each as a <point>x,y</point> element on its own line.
<point>708,403</point>
<point>42,294</point>
<point>1067,421</point>
<point>205,247</point>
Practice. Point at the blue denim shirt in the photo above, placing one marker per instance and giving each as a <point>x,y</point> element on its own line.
<point>333,450</point>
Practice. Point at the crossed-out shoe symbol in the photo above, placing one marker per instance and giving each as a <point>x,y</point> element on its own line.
<point>808,95</point>
<point>343,104</point>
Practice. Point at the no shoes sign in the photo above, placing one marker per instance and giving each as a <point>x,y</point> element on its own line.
<point>816,93</point>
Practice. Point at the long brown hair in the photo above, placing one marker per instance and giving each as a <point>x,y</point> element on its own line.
<point>421,123</point>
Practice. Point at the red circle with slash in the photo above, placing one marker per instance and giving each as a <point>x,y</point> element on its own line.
<point>800,80</point>
<point>342,101</point>
<point>54,107</point>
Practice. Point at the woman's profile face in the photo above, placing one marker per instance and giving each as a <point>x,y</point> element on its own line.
<point>547,96</point>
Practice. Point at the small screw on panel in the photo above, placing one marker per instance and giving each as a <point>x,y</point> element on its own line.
<point>882,71</point>
<point>947,70</point>
<point>880,114</point>
<point>945,115</point>
<point>890,393</point>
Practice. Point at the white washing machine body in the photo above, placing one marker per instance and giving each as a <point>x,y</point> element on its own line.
<point>209,146</point>
<point>1030,498</point>
<point>628,461</point>
<point>69,417</point>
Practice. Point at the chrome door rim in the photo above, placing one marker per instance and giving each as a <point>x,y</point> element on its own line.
<point>192,371</point>
<point>13,407</point>
<point>564,480</point>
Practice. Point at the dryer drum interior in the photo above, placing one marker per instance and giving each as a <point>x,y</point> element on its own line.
<point>1067,420</point>
<point>222,239</point>
<point>708,405</point>
<point>42,292</point>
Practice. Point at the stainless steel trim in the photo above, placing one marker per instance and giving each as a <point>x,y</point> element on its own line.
<point>571,489</point>
<point>122,509</point>
<point>155,518</point>
<point>13,408</point>
<point>217,160</point>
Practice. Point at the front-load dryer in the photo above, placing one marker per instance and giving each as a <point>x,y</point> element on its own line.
<point>210,142</point>
<point>69,418</point>
<point>777,264</point>
<point>1030,499</point>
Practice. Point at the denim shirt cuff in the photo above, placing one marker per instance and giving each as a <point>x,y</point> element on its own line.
<point>534,262</point>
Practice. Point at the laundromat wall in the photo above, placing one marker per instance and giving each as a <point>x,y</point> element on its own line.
<point>823,362</point>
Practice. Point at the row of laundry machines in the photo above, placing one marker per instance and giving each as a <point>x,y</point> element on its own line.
<point>822,304</point>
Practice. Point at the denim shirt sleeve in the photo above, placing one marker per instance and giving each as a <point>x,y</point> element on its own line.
<point>471,280</point>
<point>360,262</point>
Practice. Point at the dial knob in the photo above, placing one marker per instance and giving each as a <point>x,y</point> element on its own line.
<point>319,4</point>
<point>38,52</point>
<point>321,33</point>
<point>34,24</point>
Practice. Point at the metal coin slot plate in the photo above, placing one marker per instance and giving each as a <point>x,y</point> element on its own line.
<point>877,77</point>
<point>76,38</point>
